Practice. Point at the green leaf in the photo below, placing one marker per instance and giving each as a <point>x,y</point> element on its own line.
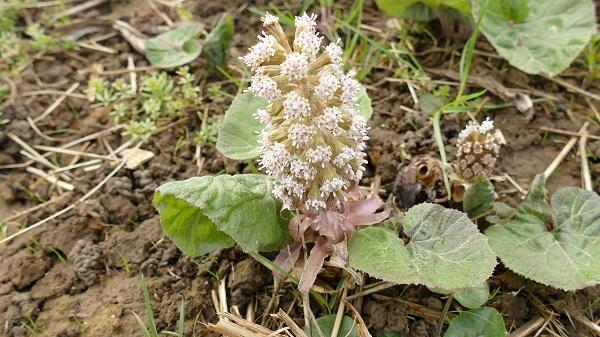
<point>404,7</point>
<point>479,197</point>
<point>201,214</point>
<point>544,39</point>
<point>445,250</point>
<point>175,47</point>
<point>471,297</point>
<point>188,226</point>
<point>349,328</point>
<point>419,12</point>
<point>556,244</point>
<point>239,136</point>
<point>216,42</point>
<point>481,322</point>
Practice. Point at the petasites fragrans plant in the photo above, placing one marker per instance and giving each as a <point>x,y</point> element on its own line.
<point>307,119</point>
<point>312,142</point>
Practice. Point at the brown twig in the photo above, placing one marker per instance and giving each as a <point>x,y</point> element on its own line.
<point>564,152</point>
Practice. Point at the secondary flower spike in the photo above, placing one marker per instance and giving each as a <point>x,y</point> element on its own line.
<point>478,149</point>
<point>314,140</point>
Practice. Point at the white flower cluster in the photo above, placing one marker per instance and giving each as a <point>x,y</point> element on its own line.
<point>478,149</point>
<point>314,140</point>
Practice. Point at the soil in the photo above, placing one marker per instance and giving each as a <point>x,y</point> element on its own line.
<point>80,274</point>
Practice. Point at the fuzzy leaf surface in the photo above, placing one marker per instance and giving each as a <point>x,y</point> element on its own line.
<point>471,297</point>
<point>557,244</point>
<point>481,322</point>
<point>445,250</point>
<point>479,198</point>
<point>239,136</point>
<point>205,213</point>
<point>538,37</point>
<point>175,47</point>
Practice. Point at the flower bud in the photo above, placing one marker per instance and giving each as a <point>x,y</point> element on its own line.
<point>478,149</point>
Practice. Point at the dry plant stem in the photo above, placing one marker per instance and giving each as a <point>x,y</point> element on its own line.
<point>543,327</point>
<point>372,290</point>
<point>70,207</point>
<point>40,133</point>
<point>72,152</point>
<point>588,324</point>
<point>52,92</point>
<point>362,327</point>
<point>132,74</point>
<point>282,315</point>
<point>444,314</point>
<point>29,210</point>
<point>96,47</point>
<point>56,103</point>
<point>13,92</point>
<point>416,309</point>
<point>50,178</point>
<point>162,15</point>
<point>567,133</point>
<point>78,165</point>
<point>573,88</point>
<point>528,328</point>
<point>271,304</point>
<point>340,313</point>
<point>79,8</point>
<point>585,167</point>
<point>564,152</point>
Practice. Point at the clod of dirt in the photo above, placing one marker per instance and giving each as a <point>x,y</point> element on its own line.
<point>423,328</point>
<point>56,282</point>
<point>87,261</point>
<point>247,278</point>
<point>25,267</point>
<point>514,308</point>
<point>386,317</point>
<point>120,209</point>
<point>130,248</point>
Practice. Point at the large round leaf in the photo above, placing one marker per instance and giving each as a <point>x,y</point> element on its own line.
<point>239,136</point>
<point>481,322</point>
<point>556,244</point>
<point>541,36</point>
<point>175,47</point>
<point>445,250</point>
<point>202,213</point>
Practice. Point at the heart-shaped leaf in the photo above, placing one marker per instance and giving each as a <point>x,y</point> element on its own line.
<point>175,47</point>
<point>202,214</point>
<point>445,250</point>
<point>239,136</point>
<point>543,38</point>
<point>557,244</point>
<point>481,322</point>
<point>479,198</point>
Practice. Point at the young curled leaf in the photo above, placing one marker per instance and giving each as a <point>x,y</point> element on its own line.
<point>202,214</point>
